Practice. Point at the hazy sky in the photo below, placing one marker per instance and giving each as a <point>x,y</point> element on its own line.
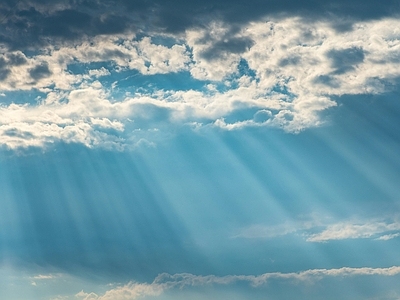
<point>170,149</point>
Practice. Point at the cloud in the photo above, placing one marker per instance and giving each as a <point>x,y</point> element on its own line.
<point>287,71</point>
<point>37,278</point>
<point>40,71</point>
<point>59,298</point>
<point>4,71</point>
<point>164,282</point>
<point>346,59</point>
<point>37,22</point>
<point>99,72</point>
<point>16,59</point>
<point>387,237</point>
<point>43,277</point>
<point>36,126</point>
<point>349,230</point>
<point>318,229</point>
<point>129,291</point>
<point>46,277</point>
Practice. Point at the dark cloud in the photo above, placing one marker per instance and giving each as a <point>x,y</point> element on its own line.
<point>3,63</point>
<point>14,132</point>
<point>110,24</point>
<point>177,14</point>
<point>25,23</point>
<point>4,74</point>
<point>66,23</point>
<point>233,45</point>
<point>16,59</point>
<point>345,60</point>
<point>294,60</point>
<point>10,59</point>
<point>40,71</point>
<point>327,80</point>
<point>33,27</point>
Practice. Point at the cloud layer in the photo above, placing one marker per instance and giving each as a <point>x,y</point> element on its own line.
<point>281,73</point>
<point>29,22</point>
<point>165,282</point>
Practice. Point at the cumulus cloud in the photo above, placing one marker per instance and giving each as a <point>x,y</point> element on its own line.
<point>164,282</point>
<point>27,126</point>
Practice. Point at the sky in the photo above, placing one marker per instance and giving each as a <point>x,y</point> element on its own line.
<point>170,149</point>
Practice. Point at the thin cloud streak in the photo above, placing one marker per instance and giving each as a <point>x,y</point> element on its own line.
<point>351,229</point>
<point>345,230</point>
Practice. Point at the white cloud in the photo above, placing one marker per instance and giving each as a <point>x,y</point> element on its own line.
<point>127,292</point>
<point>81,120</point>
<point>46,277</point>
<point>221,63</point>
<point>162,59</point>
<point>164,282</point>
<point>387,237</point>
<point>85,296</point>
<point>40,278</point>
<point>99,72</point>
<point>351,230</point>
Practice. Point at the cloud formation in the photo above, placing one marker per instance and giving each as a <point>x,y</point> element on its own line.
<point>164,282</point>
<point>30,22</point>
<point>287,71</point>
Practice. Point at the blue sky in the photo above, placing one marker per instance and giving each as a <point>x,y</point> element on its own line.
<point>199,150</point>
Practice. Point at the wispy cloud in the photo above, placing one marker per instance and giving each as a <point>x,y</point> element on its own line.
<point>41,277</point>
<point>46,277</point>
<point>348,230</point>
<point>311,230</point>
